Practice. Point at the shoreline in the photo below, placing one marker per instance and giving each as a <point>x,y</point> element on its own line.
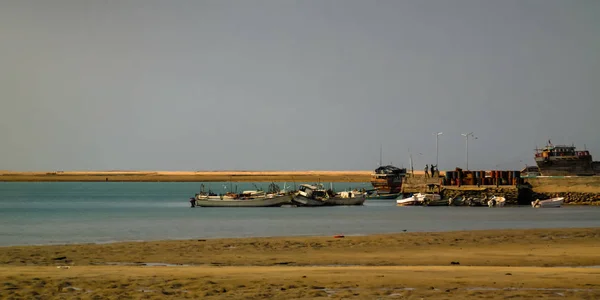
<point>493,264</point>
<point>589,234</point>
<point>298,236</point>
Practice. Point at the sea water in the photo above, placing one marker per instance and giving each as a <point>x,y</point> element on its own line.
<point>100,212</point>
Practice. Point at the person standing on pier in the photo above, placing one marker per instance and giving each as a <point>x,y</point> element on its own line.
<point>432,171</point>
<point>426,171</point>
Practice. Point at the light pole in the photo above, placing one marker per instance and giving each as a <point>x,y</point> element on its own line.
<point>437,135</point>
<point>466,135</point>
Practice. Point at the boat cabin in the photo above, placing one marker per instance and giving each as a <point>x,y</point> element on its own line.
<point>560,151</point>
<point>311,191</point>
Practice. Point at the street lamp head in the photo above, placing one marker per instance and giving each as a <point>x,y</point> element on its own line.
<point>439,133</point>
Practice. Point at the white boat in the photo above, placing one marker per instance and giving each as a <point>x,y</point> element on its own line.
<point>407,201</point>
<point>419,199</point>
<point>316,195</point>
<point>496,201</point>
<point>255,202</point>
<point>554,202</point>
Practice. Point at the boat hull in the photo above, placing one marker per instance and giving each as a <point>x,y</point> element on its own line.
<point>384,196</point>
<point>563,167</point>
<point>300,200</point>
<point>338,201</point>
<point>260,202</point>
<point>410,201</point>
<point>550,203</point>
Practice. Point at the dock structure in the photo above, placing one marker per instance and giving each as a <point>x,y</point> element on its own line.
<point>508,184</point>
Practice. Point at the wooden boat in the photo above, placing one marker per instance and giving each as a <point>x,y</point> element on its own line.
<point>382,196</point>
<point>240,202</point>
<point>310,195</point>
<point>554,202</point>
<point>346,198</point>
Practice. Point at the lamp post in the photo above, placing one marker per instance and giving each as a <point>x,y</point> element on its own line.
<point>437,135</point>
<point>466,135</point>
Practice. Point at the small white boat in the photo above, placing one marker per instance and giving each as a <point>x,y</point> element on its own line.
<point>407,201</point>
<point>419,199</point>
<point>554,202</point>
<point>496,201</point>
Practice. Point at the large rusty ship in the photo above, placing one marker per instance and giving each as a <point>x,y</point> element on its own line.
<point>388,179</point>
<point>563,160</point>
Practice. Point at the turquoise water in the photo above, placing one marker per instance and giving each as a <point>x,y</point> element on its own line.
<point>74,212</point>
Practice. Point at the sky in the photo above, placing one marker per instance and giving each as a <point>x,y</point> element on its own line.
<point>294,85</point>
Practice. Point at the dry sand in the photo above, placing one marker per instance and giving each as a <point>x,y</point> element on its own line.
<point>491,264</point>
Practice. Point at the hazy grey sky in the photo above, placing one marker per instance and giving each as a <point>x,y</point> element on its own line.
<point>272,85</point>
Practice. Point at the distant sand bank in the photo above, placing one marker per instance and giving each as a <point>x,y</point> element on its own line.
<point>495,264</point>
<point>188,176</point>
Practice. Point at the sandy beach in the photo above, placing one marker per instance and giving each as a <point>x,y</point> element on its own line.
<point>495,264</point>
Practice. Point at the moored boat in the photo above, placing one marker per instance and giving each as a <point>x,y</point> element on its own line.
<point>564,160</point>
<point>310,195</point>
<point>429,199</point>
<point>496,201</point>
<point>256,202</point>
<point>376,195</point>
<point>346,198</point>
<point>409,201</point>
<point>316,195</point>
<point>550,203</point>
<point>388,179</point>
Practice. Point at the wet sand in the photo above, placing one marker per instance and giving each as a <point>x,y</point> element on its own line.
<point>548,263</point>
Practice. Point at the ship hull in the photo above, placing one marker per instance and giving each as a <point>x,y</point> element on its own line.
<point>261,202</point>
<point>387,186</point>
<point>567,167</point>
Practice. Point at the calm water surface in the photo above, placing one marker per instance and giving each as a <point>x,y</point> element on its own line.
<point>67,212</point>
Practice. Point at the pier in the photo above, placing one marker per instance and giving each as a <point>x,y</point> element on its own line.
<point>582,190</point>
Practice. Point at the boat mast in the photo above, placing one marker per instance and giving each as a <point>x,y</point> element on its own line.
<point>380,155</point>
<point>412,171</point>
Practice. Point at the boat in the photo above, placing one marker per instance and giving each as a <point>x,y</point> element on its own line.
<point>476,201</point>
<point>310,195</point>
<point>553,202</point>
<point>241,202</point>
<point>212,196</point>
<point>408,201</point>
<point>435,200</point>
<point>316,195</point>
<point>496,201</point>
<point>346,198</point>
<point>563,160</point>
<point>388,179</point>
<point>429,199</point>
<point>376,195</point>
<point>456,201</point>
